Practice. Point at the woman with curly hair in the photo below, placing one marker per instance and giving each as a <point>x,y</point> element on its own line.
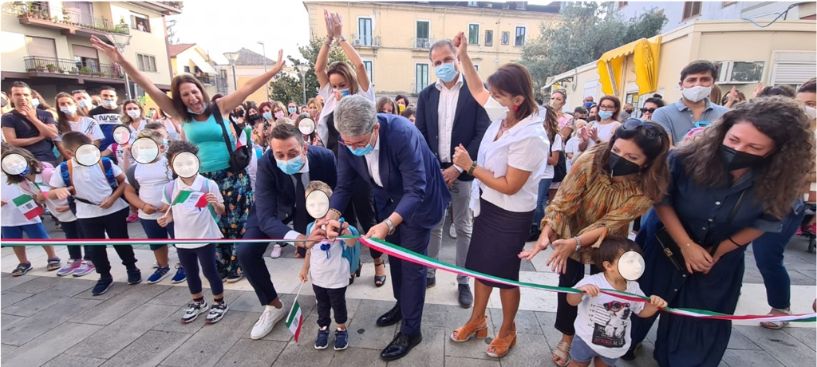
<point>725,191</point>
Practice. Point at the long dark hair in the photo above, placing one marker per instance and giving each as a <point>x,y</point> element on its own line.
<point>514,80</point>
<point>63,126</point>
<point>551,123</point>
<point>652,139</point>
<point>176,95</point>
<point>781,177</point>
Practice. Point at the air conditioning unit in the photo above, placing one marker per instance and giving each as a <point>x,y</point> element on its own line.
<point>356,42</point>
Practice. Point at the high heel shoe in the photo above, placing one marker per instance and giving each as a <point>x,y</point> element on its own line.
<point>470,330</point>
<point>379,280</point>
<point>500,346</point>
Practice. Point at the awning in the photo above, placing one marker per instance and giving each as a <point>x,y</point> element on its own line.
<point>645,59</point>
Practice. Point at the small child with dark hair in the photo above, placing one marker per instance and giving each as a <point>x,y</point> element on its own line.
<point>603,321</point>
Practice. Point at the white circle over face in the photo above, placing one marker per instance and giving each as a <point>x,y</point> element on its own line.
<point>121,135</point>
<point>307,126</point>
<point>144,150</point>
<point>186,164</point>
<point>317,204</point>
<point>631,265</point>
<point>14,164</point>
<point>87,155</point>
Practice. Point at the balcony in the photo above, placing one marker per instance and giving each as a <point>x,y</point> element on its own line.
<point>366,41</point>
<point>205,78</point>
<point>41,17</point>
<point>66,68</point>
<point>422,43</point>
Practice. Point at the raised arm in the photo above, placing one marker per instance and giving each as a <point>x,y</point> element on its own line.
<point>323,54</point>
<point>335,29</point>
<point>475,85</point>
<point>232,100</point>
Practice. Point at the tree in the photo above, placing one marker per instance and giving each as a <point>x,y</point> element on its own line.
<point>288,88</point>
<point>587,31</point>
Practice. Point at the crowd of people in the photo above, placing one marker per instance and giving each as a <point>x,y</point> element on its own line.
<point>698,180</point>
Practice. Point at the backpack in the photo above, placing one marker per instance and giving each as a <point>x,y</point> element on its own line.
<point>67,173</point>
<point>349,253</point>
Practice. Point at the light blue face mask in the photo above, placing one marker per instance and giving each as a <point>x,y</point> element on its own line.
<point>446,72</point>
<point>344,92</point>
<point>267,115</point>
<point>291,166</point>
<point>604,115</point>
<point>361,151</point>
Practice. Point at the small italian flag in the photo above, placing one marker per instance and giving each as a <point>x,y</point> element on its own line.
<point>295,320</point>
<point>25,203</point>
<point>188,197</point>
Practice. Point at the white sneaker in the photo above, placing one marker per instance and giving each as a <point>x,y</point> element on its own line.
<point>452,232</point>
<point>267,321</point>
<point>276,251</point>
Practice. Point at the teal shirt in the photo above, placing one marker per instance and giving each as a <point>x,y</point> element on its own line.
<point>208,136</point>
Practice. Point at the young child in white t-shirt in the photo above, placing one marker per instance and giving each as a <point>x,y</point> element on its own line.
<point>195,204</point>
<point>603,321</point>
<point>330,271</point>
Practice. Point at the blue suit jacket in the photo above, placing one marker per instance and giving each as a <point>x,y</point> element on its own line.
<point>274,205</point>
<point>470,122</point>
<point>413,185</point>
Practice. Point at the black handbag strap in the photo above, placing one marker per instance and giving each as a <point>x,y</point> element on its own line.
<point>220,120</point>
<point>732,214</point>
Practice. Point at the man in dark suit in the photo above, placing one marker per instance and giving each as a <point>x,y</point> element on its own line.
<point>409,195</point>
<point>447,116</point>
<point>283,174</point>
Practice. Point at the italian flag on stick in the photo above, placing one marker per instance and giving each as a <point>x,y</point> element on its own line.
<point>25,203</point>
<point>196,199</point>
<point>295,319</point>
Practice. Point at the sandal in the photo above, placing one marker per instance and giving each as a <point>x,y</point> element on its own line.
<point>776,325</point>
<point>53,264</point>
<point>379,280</point>
<point>561,354</point>
<point>500,347</point>
<point>471,330</point>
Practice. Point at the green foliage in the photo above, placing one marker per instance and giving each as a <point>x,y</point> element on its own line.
<point>288,88</point>
<point>586,31</point>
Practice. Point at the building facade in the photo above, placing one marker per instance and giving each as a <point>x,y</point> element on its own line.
<point>393,38</point>
<point>192,59</point>
<point>46,44</point>
<point>248,65</point>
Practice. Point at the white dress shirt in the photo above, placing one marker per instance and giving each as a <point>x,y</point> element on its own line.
<point>373,162</point>
<point>446,110</point>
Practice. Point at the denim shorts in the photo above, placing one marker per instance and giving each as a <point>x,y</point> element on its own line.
<point>581,353</point>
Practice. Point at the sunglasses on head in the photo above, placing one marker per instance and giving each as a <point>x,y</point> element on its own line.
<point>631,125</point>
<point>645,110</point>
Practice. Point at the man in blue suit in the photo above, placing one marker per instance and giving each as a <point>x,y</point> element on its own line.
<point>410,198</point>
<point>283,174</point>
<point>448,116</point>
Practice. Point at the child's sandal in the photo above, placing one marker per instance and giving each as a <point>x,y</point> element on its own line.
<point>470,330</point>
<point>561,355</point>
<point>500,347</point>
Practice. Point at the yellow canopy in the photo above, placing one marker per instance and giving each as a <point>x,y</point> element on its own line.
<point>645,58</point>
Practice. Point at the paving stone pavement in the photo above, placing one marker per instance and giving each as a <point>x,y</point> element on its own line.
<point>50,321</point>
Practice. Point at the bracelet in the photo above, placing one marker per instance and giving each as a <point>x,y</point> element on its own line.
<point>736,244</point>
<point>389,224</point>
<point>333,210</point>
<point>471,170</point>
<point>578,244</point>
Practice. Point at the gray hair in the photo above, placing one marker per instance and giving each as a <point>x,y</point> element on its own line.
<point>355,116</point>
<point>442,43</point>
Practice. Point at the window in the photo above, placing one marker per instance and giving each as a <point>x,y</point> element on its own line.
<point>369,70</point>
<point>476,67</point>
<point>187,69</point>
<point>691,9</point>
<point>792,67</point>
<point>420,77</point>
<point>86,58</point>
<point>473,34</point>
<point>489,38</point>
<point>146,63</point>
<point>739,71</point>
<point>520,37</point>
<point>364,31</point>
<point>472,4</point>
<point>422,34</point>
<point>622,4</point>
<point>506,38</point>
<point>140,22</point>
<point>41,47</point>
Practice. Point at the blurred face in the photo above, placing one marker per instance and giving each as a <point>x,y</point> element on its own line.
<point>387,108</point>
<point>252,111</point>
<point>594,112</point>
<point>338,82</point>
<point>96,100</point>
<point>700,79</point>
<point>192,98</point>
<point>361,141</point>
<point>647,110</point>
<point>21,96</point>
<point>557,101</point>
<point>132,107</point>
<point>412,118</point>
<point>65,102</point>
<point>108,95</point>
<point>284,150</point>
<point>607,105</point>
<point>507,100</point>
<point>313,109</point>
<point>401,102</point>
<point>744,137</point>
<point>808,98</point>
<point>81,97</point>
<point>265,109</point>
<point>292,105</point>
<point>630,151</point>
<point>444,55</point>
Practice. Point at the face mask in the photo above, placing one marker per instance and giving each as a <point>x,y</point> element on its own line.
<point>279,115</point>
<point>109,104</point>
<point>4,103</point>
<point>344,92</point>
<point>631,265</point>
<point>587,105</point>
<point>267,115</point>
<point>69,110</point>
<point>253,116</point>
<point>620,166</point>
<point>134,114</point>
<point>362,151</point>
<point>292,110</point>
<point>696,93</point>
<point>446,72</point>
<point>35,102</point>
<point>496,111</point>
<point>605,115</point>
<point>291,166</point>
<point>85,104</point>
<point>734,159</point>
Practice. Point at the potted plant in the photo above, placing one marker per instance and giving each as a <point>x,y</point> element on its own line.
<point>85,70</point>
<point>41,68</point>
<point>51,68</point>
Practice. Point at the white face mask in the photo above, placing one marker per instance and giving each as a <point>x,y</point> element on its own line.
<point>496,111</point>
<point>84,103</point>
<point>109,104</point>
<point>35,102</point>
<point>134,114</point>
<point>69,110</point>
<point>696,93</point>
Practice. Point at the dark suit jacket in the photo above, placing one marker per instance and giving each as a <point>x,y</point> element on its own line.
<point>470,122</point>
<point>413,185</point>
<point>275,192</point>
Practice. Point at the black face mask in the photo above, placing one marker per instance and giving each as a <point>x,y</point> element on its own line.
<point>620,166</point>
<point>734,159</point>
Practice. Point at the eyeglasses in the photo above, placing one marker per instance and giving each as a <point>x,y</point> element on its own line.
<point>645,110</point>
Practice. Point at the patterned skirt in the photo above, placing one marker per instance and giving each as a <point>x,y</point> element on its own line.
<point>238,199</point>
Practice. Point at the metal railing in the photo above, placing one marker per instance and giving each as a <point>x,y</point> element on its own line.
<point>423,43</point>
<point>50,65</point>
<point>42,14</point>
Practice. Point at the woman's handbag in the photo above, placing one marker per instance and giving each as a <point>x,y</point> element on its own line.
<point>240,157</point>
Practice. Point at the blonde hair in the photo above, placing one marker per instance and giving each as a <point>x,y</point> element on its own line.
<point>154,135</point>
<point>318,186</point>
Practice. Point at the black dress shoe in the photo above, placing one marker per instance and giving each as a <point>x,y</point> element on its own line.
<point>430,282</point>
<point>400,346</point>
<point>391,317</point>
<point>465,297</point>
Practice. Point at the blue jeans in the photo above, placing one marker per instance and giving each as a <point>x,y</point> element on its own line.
<point>582,353</point>
<point>206,256</point>
<point>768,250</point>
<point>154,231</point>
<point>34,230</point>
<point>541,201</point>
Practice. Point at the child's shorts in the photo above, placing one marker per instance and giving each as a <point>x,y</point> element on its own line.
<point>581,353</point>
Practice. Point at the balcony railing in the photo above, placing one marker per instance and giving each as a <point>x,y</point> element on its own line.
<point>365,41</point>
<point>42,17</point>
<point>423,43</point>
<point>205,78</point>
<point>49,65</point>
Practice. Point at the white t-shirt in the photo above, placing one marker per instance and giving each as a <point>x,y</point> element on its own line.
<point>11,215</point>
<point>556,146</point>
<point>605,131</point>
<point>572,147</point>
<point>252,168</point>
<point>90,184</point>
<point>603,322</point>
<point>330,271</point>
<point>87,126</point>
<point>152,178</point>
<point>43,181</point>
<point>190,221</point>
<point>329,104</point>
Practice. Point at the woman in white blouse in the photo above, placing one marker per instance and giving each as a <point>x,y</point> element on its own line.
<point>507,173</point>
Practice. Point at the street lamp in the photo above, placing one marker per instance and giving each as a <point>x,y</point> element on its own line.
<point>264,52</point>
<point>232,57</point>
<point>121,40</point>
<point>302,69</point>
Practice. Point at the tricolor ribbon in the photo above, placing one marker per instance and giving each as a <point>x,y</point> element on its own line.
<point>420,259</point>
